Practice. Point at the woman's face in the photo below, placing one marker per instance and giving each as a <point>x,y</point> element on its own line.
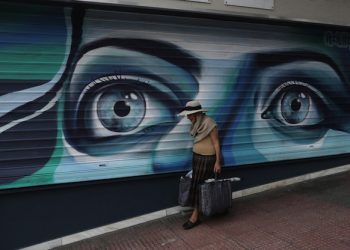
<point>192,117</point>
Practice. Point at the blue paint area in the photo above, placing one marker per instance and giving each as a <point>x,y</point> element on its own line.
<point>277,93</point>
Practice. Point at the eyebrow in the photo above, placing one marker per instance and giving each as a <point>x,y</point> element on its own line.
<point>277,57</point>
<point>163,50</point>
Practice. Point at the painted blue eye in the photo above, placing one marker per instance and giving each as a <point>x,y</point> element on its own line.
<point>121,108</point>
<point>118,113</point>
<point>125,110</point>
<point>295,103</point>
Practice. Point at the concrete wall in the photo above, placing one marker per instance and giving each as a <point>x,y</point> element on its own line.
<point>320,11</point>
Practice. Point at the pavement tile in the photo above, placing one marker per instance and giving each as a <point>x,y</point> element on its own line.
<point>275,245</point>
<point>338,233</point>
<point>257,239</point>
<point>315,240</point>
<point>199,236</point>
<point>235,228</point>
<point>224,245</point>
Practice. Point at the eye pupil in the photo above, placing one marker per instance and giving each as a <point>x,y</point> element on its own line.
<point>121,108</point>
<point>296,104</point>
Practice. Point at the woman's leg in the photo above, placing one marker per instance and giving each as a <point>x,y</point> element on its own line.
<point>202,169</point>
<point>195,215</point>
<point>193,220</point>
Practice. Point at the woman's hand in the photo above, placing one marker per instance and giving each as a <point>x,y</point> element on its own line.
<point>217,167</point>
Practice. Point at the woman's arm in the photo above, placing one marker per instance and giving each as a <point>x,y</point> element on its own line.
<point>214,136</point>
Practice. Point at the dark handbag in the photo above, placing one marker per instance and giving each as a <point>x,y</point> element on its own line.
<point>184,191</point>
<point>215,196</point>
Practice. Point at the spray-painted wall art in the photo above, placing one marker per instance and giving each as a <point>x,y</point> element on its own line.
<point>91,94</point>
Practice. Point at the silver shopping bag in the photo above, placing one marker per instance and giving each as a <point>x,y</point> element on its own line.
<point>215,196</point>
<point>184,189</point>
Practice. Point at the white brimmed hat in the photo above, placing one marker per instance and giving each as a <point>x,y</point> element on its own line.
<point>191,108</point>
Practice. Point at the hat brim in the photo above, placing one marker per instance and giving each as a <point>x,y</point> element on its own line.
<point>189,112</point>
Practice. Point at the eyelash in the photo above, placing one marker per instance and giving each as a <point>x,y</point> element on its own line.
<point>107,80</point>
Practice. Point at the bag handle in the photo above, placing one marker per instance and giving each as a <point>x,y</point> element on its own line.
<point>217,176</point>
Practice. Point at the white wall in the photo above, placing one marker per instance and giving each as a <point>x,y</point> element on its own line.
<point>315,11</point>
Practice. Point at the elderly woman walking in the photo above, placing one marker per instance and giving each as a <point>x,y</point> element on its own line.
<point>206,154</point>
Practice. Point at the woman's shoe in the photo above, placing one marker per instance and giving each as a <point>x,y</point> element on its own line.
<point>189,224</point>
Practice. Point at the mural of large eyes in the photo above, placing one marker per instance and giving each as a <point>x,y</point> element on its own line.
<point>295,103</point>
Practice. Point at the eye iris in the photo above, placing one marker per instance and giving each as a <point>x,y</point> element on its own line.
<point>295,106</point>
<point>121,109</point>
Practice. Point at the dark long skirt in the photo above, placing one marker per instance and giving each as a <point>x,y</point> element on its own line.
<point>202,169</point>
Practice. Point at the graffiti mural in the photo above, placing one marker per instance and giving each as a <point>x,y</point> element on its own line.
<point>90,94</point>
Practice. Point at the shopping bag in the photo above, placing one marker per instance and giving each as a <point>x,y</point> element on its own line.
<point>184,190</point>
<point>215,196</point>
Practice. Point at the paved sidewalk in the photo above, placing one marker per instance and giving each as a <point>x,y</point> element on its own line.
<point>310,215</point>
